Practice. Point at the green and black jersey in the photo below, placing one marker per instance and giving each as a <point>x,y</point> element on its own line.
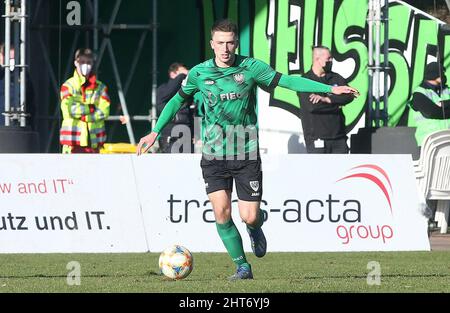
<point>229,100</point>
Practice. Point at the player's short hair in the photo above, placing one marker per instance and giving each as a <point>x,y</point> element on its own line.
<point>174,67</point>
<point>84,55</point>
<point>224,25</point>
<point>317,50</point>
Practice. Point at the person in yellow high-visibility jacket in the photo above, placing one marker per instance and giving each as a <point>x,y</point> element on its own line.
<point>85,106</point>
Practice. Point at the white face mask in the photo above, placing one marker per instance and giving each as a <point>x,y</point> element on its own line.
<point>85,69</point>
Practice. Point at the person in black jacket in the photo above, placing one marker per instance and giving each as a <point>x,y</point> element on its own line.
<point>177,73</point>
<point>322,119</point>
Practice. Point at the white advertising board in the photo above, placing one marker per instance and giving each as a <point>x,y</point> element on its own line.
<point>69,203</point>
<point>123,203</point>
<point>312,203</point>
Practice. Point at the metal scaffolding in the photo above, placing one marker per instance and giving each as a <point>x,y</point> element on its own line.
<point>100,40</point>
<point>378,16</point>
<point>15,15</point>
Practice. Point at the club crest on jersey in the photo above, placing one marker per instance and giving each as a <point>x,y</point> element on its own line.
<point>211,99</point>
<point>238,78</point>
<point>209,82</point>
<point>254,184</point>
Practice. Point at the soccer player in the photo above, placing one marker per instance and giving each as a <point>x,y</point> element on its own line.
<point>230,145</point>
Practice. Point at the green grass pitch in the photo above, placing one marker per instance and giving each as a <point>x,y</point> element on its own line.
<point>276,272</point>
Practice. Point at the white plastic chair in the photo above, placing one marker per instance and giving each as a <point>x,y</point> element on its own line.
<point>433,174</point>
<point>434,138</point>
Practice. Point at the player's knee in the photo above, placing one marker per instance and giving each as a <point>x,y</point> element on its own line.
<point>249,218</point>
<point>222,214</point>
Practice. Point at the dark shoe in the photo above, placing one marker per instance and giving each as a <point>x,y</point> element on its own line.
<point>258,240</point>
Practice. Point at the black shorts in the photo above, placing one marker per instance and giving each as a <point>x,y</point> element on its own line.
<point>247,174</point>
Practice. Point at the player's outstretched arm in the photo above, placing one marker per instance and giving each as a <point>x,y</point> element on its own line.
<point>167,114</point>
<point>301,84</point>
<point>339,90</point>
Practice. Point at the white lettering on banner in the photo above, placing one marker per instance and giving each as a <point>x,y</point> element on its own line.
<point>357,206</point>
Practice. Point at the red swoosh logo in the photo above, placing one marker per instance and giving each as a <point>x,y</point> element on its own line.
<point>377,168</point>
<point>374,179</point>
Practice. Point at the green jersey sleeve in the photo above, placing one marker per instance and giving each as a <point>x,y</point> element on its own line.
<point>301,84</point>
<point>189,84</point>
<point>168,113</point>
<point>262,72</point>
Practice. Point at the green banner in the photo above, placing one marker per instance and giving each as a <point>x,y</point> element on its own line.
<point>283,33</point>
